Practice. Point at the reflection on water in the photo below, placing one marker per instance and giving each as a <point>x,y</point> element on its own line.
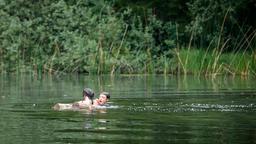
<point>143,109</point>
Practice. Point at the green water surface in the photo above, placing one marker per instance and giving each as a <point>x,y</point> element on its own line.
<point>143,109</point>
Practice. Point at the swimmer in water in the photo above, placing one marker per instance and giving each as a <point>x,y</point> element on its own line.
<point>102,100</point>
<point>87,102</point>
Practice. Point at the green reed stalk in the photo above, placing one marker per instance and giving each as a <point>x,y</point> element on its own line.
<point>240,46</point>
<point>165,66</point>
<point>204,58</point>
<point>180,61</point>
<point>119,49</point>
<point>189,47</point>
<point>243,55</point>
<point>56,49</point>
<point>177,44</point>
<point>219,41</point>
<point>177,37</point>
<point>148,60</point>
<point>216,59</point>
<point>1,60</point>
<point>100,58</point>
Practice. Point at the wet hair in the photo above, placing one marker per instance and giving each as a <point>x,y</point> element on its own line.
<point>88,92</point>
<point>106,94</point>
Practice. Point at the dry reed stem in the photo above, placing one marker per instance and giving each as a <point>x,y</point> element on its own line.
<point>218,55</point>
<point>180,61</point>
<point>119,49</point>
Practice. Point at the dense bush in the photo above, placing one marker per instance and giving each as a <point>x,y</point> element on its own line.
<point>58,36</point>
<point>71,37</point>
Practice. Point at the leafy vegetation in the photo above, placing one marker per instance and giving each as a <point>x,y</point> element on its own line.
<point>113,37</point>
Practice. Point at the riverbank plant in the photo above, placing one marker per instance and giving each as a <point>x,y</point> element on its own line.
<point>201,62</point>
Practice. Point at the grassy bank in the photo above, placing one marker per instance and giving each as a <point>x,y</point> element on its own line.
<point>184,61</point>
<point>201,62</point>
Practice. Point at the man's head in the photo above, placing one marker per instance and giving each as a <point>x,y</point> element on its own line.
<point>87,92</point>
<point>103,98</point>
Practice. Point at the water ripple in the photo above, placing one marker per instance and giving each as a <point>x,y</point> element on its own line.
<point>194,107</point>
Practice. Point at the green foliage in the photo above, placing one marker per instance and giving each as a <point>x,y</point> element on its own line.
<point>167,10</point>
<point>74,37</point>
<point>213,19</point>
<point>97,37</point>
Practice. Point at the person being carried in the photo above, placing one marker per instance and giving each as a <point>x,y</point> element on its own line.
<point>87,102</point>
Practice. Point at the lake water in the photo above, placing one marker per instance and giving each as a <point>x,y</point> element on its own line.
<point>143,109</point>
